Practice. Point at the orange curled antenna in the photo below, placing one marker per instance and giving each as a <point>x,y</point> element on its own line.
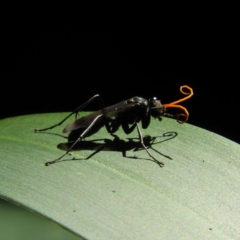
<point>175,104</point>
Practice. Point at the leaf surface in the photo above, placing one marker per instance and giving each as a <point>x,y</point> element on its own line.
<point>98,193</point>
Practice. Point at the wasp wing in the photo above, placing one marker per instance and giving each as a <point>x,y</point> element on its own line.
<point>110,113</point>
<point>82,122</point>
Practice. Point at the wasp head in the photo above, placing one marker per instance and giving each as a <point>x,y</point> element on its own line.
<point>156,108</point>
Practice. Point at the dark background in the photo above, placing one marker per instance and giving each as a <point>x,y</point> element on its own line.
<point>55,67</point>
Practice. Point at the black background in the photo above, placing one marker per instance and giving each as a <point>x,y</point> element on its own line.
<point>55,67</point>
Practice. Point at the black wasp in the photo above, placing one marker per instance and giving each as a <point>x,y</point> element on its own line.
<point>127,114</point>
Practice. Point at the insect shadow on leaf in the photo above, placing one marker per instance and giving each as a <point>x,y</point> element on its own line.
<point>118,145</point>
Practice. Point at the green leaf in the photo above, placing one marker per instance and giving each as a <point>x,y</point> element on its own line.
<point>109,196</point>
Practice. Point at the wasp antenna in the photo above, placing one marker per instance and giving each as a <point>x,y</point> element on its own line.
<point>185,114</point>
<point>185,93</point>
<point>175,104</point>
